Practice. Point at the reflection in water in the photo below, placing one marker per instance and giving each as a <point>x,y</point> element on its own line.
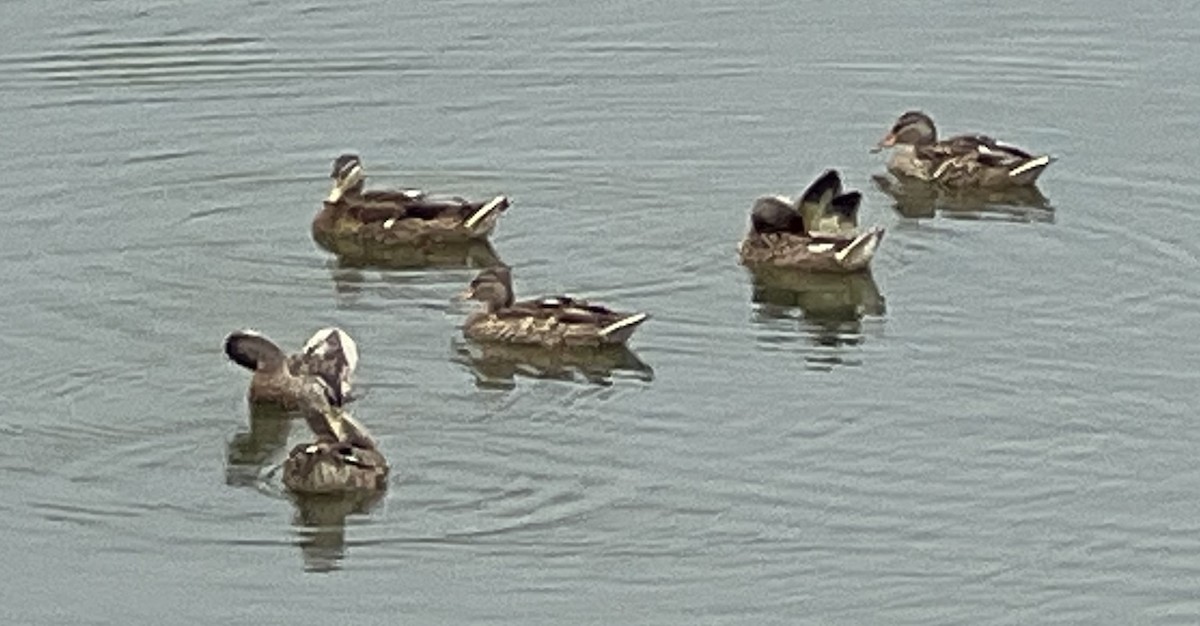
<point>915,199</point>
<point>347,267</point>
<point>497,365</point>
<point>249,451</point>
<point>320,519</point>
<point>321,525</point>
<point>831,308</point>
<point>356,254</point>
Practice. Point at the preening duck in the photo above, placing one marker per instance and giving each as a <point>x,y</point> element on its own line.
<point>327,360</point>
<point>816,232</point>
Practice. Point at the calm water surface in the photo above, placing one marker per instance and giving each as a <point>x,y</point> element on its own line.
<point>996,429</point>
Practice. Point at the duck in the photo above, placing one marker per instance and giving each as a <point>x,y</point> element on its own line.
<point>549,321</point>
<point>404,216</point>
<point>327,360</point>
<point>816,232</point>
<point>962,161</point>
<point>343,457</point>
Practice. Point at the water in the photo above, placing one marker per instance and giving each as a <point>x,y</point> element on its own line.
<point>996,429</point>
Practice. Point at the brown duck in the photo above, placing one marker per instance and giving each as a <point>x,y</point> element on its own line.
<point>817,232</point>
<point>963,161</point>
<point>398,216</point>
<point>327,361</point>
<point>342,459</point>
<point>556,321</point>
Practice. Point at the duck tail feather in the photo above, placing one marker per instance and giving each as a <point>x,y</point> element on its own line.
<point>627,323</point>
<point>1028,172</point>
<point>858,253</point>
<point>495,205</point>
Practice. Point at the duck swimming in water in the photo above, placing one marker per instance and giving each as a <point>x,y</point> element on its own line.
<point>816,232</point>
<point>963,161</point>
<point>554,321</point>
<point>398,216</point>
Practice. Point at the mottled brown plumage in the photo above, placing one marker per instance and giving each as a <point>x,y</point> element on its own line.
<point>334,467</point>
<point>398,216</point>
<point>817,232</point>
<point>342,458</point>
<point>963,161</point>
<point>557,321</point>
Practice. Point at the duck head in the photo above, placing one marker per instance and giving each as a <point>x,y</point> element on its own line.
<point>913,128</point>
<point>347,176</point>
<point>492,287</point>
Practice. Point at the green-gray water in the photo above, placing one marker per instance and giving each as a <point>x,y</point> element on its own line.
<point>1005,437</point>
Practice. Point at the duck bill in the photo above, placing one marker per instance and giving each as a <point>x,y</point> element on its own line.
<point>335,194</point>
<point>465,294</point>
<point>343,184</point>
<point>888,141</point>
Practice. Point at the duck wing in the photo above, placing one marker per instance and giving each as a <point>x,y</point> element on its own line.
<point>380,206</point>
<point>814,204</point>
<point>980,148</point>
<point>570,310</point>
<point>841,216</point>
<point>330,356</point>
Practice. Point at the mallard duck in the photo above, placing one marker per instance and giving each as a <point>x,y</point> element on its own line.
<point>960,161</point>
<point>816,232</point>
<point>400,216</point>
<point>343,458</point>
<point>557,321</point>
<point>327,360</point>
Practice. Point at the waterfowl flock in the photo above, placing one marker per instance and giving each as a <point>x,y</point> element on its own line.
<point>816,234</point>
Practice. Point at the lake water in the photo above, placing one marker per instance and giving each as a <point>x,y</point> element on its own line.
<point>996,430</point>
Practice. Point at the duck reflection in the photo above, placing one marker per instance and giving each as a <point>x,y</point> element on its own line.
<point>249,451</point>
<point>356,254</point>
<point>914,198</point>
<point>353,257</point>
<point>320,522</point>
<point>831,306</point>
<point>497,366</point>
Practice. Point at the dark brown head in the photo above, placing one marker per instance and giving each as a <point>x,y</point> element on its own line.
<point>492,287</point>
<point>347,177</point>
<point>913,128</point>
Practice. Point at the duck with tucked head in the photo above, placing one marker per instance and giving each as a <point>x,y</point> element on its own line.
<point>555,321</point>
<point>326,362</point>
<point>816,232</point>
<point>397,216</point>
<point>963,161</point>
<point>342,459</point>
